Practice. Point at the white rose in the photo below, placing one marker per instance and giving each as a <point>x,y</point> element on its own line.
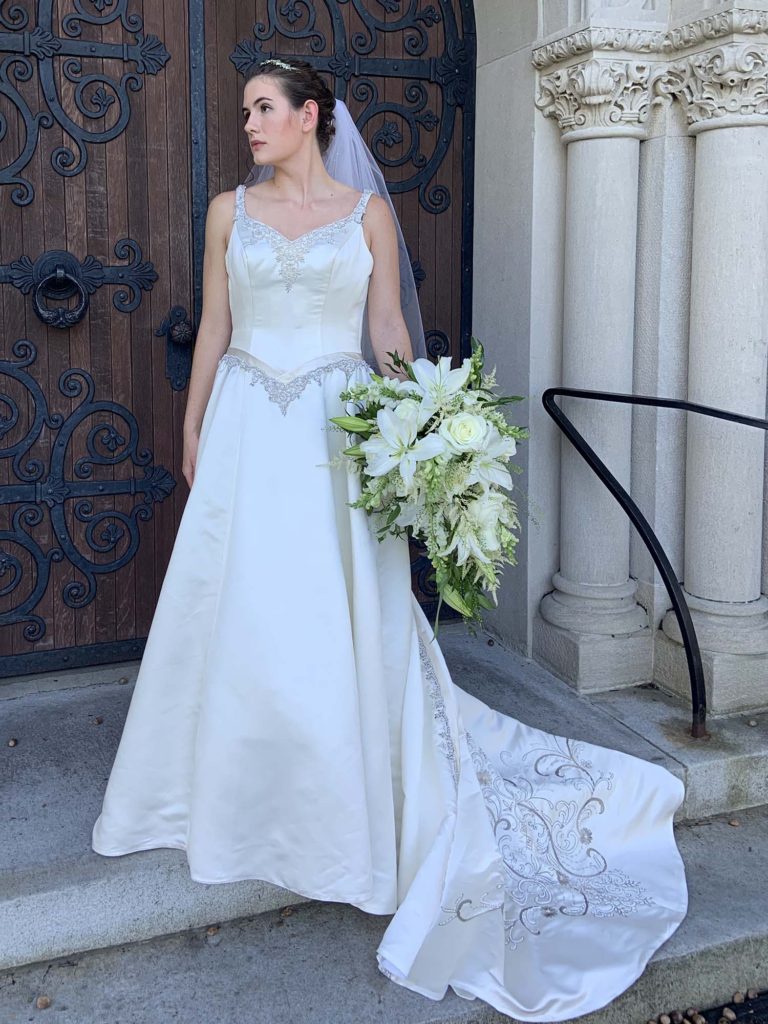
<point>464,431</point>
<point>413,407</point>
<point>407,408</point>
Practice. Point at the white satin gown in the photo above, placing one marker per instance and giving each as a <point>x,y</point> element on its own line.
<point>293,719</point>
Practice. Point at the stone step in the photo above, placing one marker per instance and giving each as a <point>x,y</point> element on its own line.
<point>316,963</point>
<point>58,897</point>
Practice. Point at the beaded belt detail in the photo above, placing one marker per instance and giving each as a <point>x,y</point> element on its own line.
<point>283,387</point>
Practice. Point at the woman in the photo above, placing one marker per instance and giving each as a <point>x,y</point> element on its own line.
<point>293,719</point>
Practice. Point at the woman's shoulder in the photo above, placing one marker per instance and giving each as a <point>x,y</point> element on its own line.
<point>377,210</point>
<point>223,201</point>
<point>222,207</point>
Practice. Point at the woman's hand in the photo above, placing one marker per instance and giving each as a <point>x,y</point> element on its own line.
<point>189,457</point>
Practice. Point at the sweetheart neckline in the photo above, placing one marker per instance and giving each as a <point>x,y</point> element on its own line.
<point>304,234</point>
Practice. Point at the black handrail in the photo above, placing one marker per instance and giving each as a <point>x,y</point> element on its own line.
<point>641,524</point>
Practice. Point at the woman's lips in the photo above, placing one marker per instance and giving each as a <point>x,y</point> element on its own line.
<point>255,145</point>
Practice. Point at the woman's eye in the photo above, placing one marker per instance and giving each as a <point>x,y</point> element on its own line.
<point>264,106</point>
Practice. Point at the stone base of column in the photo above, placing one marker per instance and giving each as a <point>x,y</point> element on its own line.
<point>605,609</point>
<point>734,682</point>
<point>734,650</point>
<point>725,627</point>
<point>594,637</point>
<point>592,662</point>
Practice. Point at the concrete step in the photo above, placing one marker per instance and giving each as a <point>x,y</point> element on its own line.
<point>58,897</point>
<point>316,964</point>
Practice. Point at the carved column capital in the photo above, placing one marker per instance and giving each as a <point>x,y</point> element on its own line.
<point>723,87</point>
<point>597,98</point>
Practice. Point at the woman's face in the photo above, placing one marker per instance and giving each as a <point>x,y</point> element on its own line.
<point>272,125</point>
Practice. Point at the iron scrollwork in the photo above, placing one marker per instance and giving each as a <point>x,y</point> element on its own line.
<point>57,275</point>
<point>24,46</point>
<point>346,58</point>
<point>111,535</point>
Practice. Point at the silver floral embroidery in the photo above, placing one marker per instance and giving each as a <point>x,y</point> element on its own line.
<point>550,865</point>
<point>284,392</point>
<point>463,909</point>
<point>291,252</point>
<point>446,743</point>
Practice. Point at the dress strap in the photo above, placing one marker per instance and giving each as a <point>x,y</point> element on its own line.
<point>362,202</point>
<point>239,203</point>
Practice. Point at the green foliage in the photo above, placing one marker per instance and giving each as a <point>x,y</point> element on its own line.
<point>453,501</point>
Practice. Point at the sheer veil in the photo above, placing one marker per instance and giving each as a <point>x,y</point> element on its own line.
<point>349,159</point>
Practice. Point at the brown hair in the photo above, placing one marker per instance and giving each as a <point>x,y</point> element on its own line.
<point>299,84</point>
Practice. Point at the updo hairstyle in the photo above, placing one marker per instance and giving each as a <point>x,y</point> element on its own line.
<point>301,83</point>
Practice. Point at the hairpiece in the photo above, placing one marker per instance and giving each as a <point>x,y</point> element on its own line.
<point>280,63</point>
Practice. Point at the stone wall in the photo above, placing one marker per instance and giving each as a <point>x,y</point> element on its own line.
<point>622,245</point>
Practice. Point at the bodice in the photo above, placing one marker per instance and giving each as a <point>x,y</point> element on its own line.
<point>295,300</point>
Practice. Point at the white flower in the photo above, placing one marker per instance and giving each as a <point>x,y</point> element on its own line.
<point>465,431</point>
<point>486,468</point>
<point>407,406</point>
<point>465,543</point>
<point>484,513</point>
<point>438,382</point>
<point>398,446</point>
<point>412,512</point>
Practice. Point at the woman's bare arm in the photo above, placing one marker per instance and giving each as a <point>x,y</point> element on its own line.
<point>215,329</point>
<point>388,329</point>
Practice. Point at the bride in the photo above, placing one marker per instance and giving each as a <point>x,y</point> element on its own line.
<point>293,719</point>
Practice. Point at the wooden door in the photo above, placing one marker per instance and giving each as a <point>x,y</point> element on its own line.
<point>122,122</point>
<point>95,250</point>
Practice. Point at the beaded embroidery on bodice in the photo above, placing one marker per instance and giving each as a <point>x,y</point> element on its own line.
<point>283,343</point>
<point>291,252</point>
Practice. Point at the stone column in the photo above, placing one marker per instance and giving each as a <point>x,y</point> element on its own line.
<point>725,93</point>
<point>590,629</point>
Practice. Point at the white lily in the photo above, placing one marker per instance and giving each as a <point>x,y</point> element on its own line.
<point>484,514</point>
<point>486,468</point>
<point>413,512</point>
<point>438,382</point>
<point>465,543</point>
<point>398,446</point>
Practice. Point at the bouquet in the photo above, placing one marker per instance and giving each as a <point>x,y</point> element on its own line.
<point>433,453</point>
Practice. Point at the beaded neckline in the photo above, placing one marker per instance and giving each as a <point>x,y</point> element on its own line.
<point>305,234</point>
<point>291,253</point>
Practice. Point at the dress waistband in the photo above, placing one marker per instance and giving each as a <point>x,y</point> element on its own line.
<point>295,371</point>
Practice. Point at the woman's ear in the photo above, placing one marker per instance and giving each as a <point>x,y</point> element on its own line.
<point>309,114</point>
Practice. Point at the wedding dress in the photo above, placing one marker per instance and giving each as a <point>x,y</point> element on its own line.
<point>294,720</point>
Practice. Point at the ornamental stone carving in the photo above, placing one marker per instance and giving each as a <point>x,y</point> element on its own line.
<point>597,98</point>
<point>656,42</point>
<point>587,40</point>
<point>723,87</point>
<point>716,26</point>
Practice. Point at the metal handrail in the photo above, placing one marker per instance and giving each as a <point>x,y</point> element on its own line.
<point>641,524</point>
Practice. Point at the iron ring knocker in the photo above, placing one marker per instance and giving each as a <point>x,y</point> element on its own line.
<point>60,316</point>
